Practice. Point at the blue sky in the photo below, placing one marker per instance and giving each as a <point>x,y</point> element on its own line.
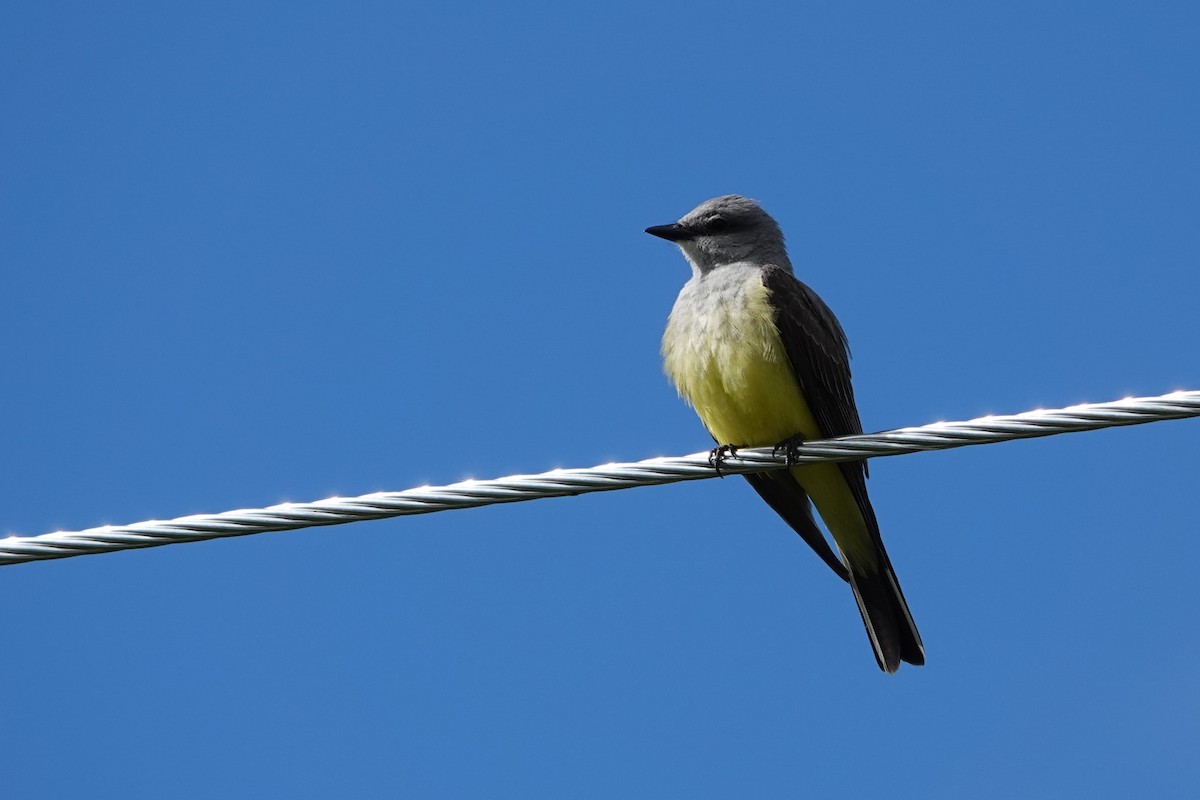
<point>277,251</point>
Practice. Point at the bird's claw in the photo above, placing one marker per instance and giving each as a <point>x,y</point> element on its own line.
<point>790,449</point>
<point>717,456</point>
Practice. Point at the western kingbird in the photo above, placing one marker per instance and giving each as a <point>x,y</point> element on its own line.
<point>764,362</point>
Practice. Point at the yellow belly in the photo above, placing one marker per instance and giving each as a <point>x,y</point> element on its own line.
<point>727,361</point>
<point>724,355</point>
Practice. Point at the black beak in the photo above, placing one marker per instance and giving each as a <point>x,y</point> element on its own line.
<point>672,233</point>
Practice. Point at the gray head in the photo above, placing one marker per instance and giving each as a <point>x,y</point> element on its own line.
<point>726,230</point>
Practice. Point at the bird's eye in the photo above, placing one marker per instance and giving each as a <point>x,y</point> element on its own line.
<point>717,225</point>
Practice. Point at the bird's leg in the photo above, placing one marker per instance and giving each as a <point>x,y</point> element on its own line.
<point>718,455</point>
<point>790,448</point>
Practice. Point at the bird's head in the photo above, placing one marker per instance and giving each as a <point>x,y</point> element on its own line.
<point>726,230</point>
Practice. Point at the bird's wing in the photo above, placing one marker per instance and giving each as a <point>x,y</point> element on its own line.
<point>817,349</point>
<point>820,357</point>
<point>790,501</point>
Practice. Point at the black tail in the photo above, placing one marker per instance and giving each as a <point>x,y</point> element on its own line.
<point>884,612</point>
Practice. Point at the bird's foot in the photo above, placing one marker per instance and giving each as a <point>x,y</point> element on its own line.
<point>790,449</point>
<point>717,456</point>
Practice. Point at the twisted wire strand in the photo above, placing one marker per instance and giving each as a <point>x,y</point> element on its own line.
<point>607,477</point>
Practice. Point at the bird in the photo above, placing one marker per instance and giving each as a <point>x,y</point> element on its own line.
<point>765,363</point>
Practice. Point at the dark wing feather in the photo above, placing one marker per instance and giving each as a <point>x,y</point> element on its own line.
<point>820,357</point>
<point>789,500</point>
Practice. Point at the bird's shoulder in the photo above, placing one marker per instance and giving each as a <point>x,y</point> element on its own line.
<point>799,309</point>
